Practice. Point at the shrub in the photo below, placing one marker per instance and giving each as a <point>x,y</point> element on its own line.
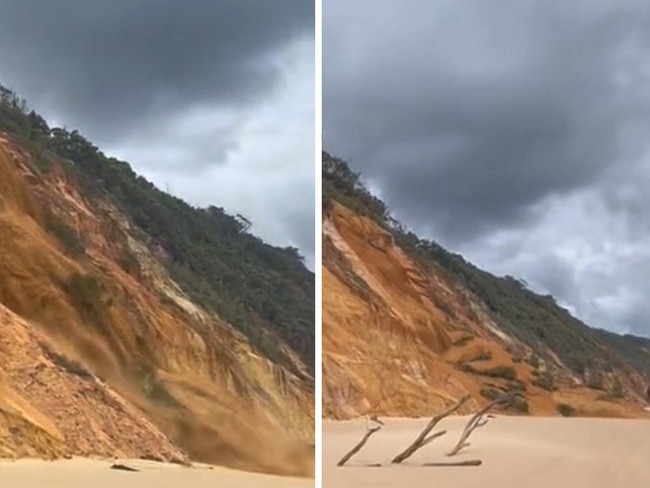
<point>154,387</point>
<point>90,300</point>
<point>69,365</point>
<point>483,356</point>
<point>617,388</point>
<point>129,263</point>
<point>566,410</point>
<point>72,244</point>
<point>545,381</point>
<point>443,306</point>
<point>594,380</point>
<point>516,401</point>
<point>533,361</point>
<point>505,372</point>
<point>490,393</point>
<point>85,290</point>
<point>519,403</point>
<point>516,387</point>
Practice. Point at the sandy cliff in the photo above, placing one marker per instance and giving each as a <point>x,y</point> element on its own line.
<point>104,353</point>
<point>400,340</point>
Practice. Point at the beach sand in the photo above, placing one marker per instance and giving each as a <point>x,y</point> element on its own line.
<point>529,452</point>
<point>83,473</point>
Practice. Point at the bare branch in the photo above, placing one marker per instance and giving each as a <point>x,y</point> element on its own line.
<point>362,442</point>
<point>376,420</point>
<point>433,437</point>
<point>422,439</point>
<point>474,423</point>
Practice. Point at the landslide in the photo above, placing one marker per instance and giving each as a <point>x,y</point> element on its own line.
<point>103,352</point>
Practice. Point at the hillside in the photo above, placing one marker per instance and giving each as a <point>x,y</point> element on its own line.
<point>135,324</point>
<point>409,326</point>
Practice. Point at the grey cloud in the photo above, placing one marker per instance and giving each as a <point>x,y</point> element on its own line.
<point>110,64</point>
<point>488,115</point>
<point>514,131</point>
<point>210,99</point>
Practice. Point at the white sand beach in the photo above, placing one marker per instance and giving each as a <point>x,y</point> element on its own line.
<point>529,452</point>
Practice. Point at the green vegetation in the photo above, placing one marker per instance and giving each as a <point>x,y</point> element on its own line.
<point>340,183</point>
<point>533,361</point>
<point>67,364</point>
<point>516,387</point>
<point>72,244</point>
<point>266,292</point>
<point>595,379</point>
<point>635,350</point>
<point>545,380</point>
<point>505,372</point>
<point>444,306</point>
<point>129,263</point>
<point>516,399</point>
<point>491,393</point>
<point>154,388</point>
<point>566,410</point>
<point>91,300</point>
<point>535,320</point>
<point>519,404</point>
<point>483,356</point>
<point>615,392</point>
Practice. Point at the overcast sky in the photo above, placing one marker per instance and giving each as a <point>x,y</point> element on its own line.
<point>516,132</point>
<point>210,99</point>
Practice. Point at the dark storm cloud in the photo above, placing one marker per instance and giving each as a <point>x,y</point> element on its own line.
<point>211,99</point>
<point>115,62</point>
<point>484,108</point>
<point>515,131</point>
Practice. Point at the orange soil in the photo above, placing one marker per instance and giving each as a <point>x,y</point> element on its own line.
<point>209,392</point>
<point>389,347</point>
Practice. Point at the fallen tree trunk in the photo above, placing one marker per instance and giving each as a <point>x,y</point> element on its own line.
<point>470,462</point>
<point>423,439</point>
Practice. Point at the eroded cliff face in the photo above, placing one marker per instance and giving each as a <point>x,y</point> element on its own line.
<point>103,354</point>
<point>399,340</point>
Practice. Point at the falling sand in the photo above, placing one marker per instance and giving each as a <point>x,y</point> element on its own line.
<point>515,451</point>
<point>81,473</point>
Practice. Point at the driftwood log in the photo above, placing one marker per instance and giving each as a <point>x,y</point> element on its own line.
<point>362,442</point>
<point>470,462</point>
<point>123,467</point>
<point>475,422</point>
<point>424,438</point>
<point>479,419</point>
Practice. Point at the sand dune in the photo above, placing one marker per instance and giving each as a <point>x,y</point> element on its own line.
<point>516,452</point>
<point>81,473</point>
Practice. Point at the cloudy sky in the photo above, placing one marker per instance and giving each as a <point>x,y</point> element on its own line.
<point>212,100</point>
<point>516,132</point>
